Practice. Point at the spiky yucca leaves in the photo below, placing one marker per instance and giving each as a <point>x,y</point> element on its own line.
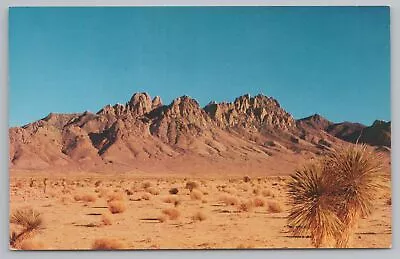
<point>313,206</point>
<point>30,221</point>
<point>357,174</point>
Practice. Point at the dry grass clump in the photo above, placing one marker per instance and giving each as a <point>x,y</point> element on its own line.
<point>330,196</point>
<point>29,220</point>
<point>229,200</point>
<point>173,191</point>
<point>97,183</point>
<point>199,216</point>
<point>258,202</point>
<point>172,213</point>
<point>196,195</point>
<point>191,185</point>
<point>246,205</point>
<point>246,179</point>
<point>87,197</point>
<point>146,184</point>
<point>31,245</point>
<point>107,244</point>
<point>115,196</point>
<point>106,219</point>
<point>274,207</point>
<point>116,206</point>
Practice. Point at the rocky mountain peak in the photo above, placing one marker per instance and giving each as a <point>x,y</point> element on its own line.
<point>140,104</point>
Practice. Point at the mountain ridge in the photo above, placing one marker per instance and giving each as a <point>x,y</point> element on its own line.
<point>246,132</point>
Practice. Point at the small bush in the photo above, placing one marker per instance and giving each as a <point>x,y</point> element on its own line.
<point>191,185</point>
<point>146,184</point>
<point>172,213</point>
<point>116,207</point>
<point>115,196</point>
<point>173,191</point>
<point>258,202</point>
<point>274,207</point>
<point>246,179</point>
<point>246,205</point>
<point>107,244</point>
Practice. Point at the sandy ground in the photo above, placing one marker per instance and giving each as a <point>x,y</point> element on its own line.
<point>71,224</point>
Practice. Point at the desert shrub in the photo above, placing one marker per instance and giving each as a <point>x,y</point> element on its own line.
<point>199,216</point>
<point>258,202</point>
<point>256,191</point>
<point>196,195</point>
<point>29,220</point>
<point>128,192</point>
<point>173,191</point>
<point>107,244</point>
<point>246,205</point>
<point>389,201</point>
<point>246,179</point>
<point>116,206</point>
<point>191,185</point>
<point>146,184</point>
<point>356,177</point>
<point>274,207</point>
<point>328,197</point>
<point>86,197</point>
<point>172,213</point>
<point>97,183</point>
<point>115,196</point>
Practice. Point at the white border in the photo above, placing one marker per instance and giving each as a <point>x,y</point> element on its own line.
<point>298,254</point>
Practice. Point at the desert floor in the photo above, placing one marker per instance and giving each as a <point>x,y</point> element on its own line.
<point>218,213</point>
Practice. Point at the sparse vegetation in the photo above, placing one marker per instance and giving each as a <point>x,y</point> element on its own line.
<point>173,191</point>
<point>172,213</point>
<point>191,185</point>
<point>107,244</point>
<point>29,220</point>
<point>116,206</point>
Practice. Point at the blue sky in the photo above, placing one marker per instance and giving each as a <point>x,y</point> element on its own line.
<point>334,61</point>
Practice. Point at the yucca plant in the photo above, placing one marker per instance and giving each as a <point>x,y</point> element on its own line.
<point>329,197</point>
<point>313,206</point>
<point>30,221</point>
<point>357,175</point>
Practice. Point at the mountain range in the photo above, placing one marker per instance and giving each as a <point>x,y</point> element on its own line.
<point>251,135</point>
